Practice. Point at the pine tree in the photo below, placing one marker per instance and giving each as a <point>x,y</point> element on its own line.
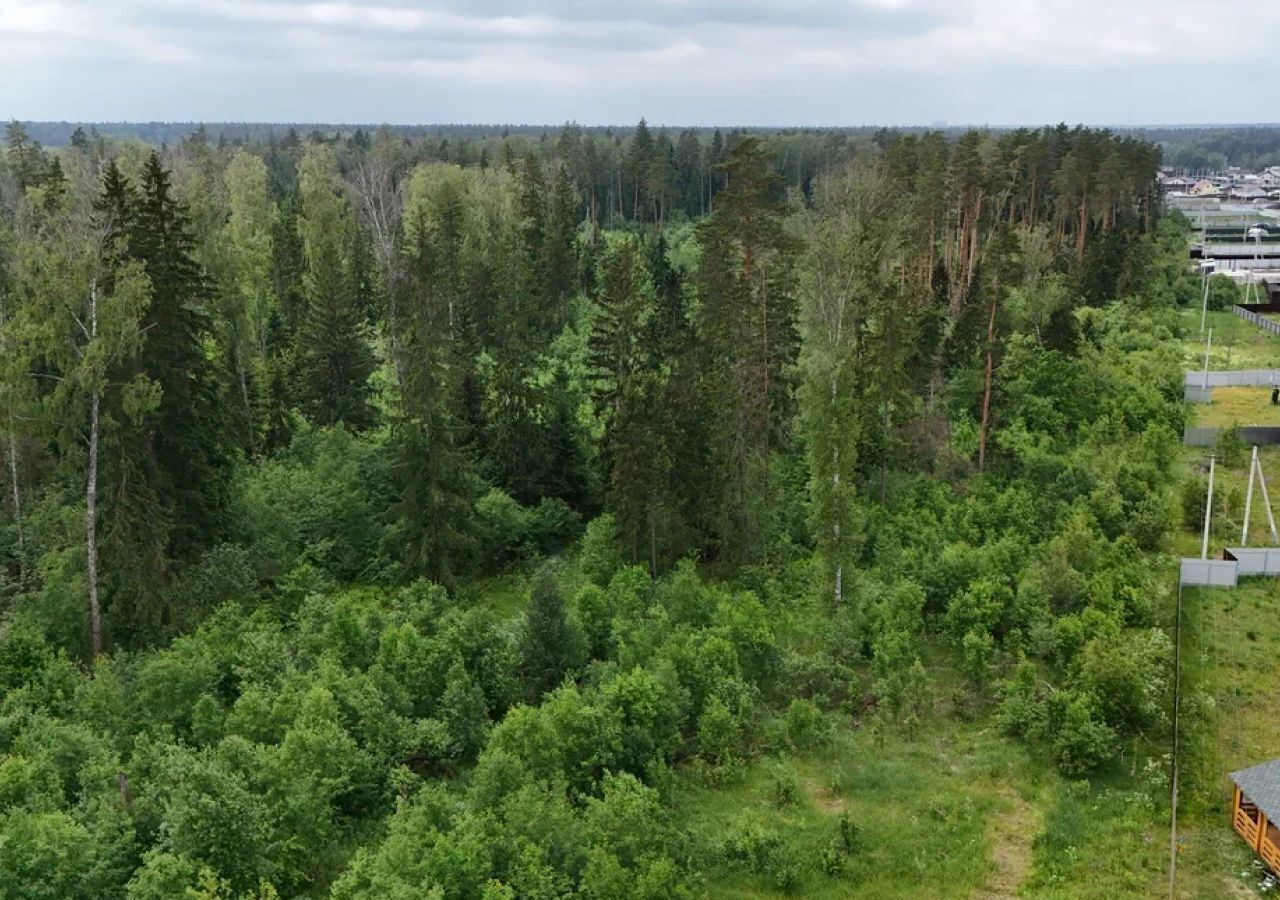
<point>25,157</point>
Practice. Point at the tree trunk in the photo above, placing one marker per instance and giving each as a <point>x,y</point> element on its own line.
<point>986,390</point>
<point>835,515</point>
<point>1083,227</point>
<point>15,495</point>
<point>91,496</point>
<point>250,425</point>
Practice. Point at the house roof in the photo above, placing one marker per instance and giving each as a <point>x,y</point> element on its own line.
<point>1261,784</point>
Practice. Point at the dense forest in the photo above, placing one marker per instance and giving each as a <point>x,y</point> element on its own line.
<point>392,516</point>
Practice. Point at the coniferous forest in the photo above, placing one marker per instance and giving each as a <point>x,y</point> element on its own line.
<point>626,514</point>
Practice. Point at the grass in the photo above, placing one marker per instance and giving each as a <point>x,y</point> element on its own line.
<point>1237,405</point>
<point>959,810</point>
<point>1230,487</point>
<point>1231,677</point>
<point>1231,686</point>
<point>1237,344</point>
<point>938,815</point>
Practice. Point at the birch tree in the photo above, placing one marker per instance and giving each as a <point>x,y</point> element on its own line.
<point>80,327</point>
<point>854,236</point>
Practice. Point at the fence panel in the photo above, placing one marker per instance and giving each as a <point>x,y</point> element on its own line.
<point>1207,572</point>
<point>1255,560</point>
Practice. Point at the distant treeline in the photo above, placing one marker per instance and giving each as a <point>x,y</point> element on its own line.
<point>58,134</point>
<point>1212,148</point>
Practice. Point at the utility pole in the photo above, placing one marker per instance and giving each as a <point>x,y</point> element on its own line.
<point>1248,499</point>
<point>1173,775</point>
<point>1204,300</point>
<point>1266,502</point>
<point>1207,346</point>
<point>1208,512</point>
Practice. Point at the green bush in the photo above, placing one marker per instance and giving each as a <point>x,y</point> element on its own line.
<point>1082,742</point>
<point>601,555</point>
<point>1231,449</point>
<point>806,726</point>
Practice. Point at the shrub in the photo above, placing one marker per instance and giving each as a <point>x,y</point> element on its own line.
<point>719,733</point>
<point>1021,710</point>
<point>806,727</point>
<point>979,647</point>
<point>784,790</point>
<point>1231,449</point>
<point>600,555</point>
<point>1149,522</point>
<point>1082,742</point>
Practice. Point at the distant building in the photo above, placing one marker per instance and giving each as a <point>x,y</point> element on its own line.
<point>1247,193</point>
<point>1204,188</point>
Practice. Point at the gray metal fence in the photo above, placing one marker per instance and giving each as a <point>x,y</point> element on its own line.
<point>1241,378</point>
<point>1255,435</point>
<point>1208,572</point>
<point>1264,323</point>
<point>1254,560</point>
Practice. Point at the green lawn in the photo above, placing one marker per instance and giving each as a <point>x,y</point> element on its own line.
<point>1237,406</point>
<point>946,813</point>
<point>1231,690</point>
<point>1230,489</point>
<point>1237,344</point>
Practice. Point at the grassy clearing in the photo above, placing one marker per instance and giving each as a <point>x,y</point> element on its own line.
<point>1230,488</point>
<point>962,811</point>
<point>1237,406</point>
<point>1231,686</point>
<point>938,816</point>
<point>1231,678</point>
<point>1236,343</point>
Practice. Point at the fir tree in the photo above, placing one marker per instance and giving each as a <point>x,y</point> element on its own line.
<point>332,355</point>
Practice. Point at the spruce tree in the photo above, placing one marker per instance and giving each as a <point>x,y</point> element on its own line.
<point>628,389</point>
<point>746,287</point>
<point>432,468</point>
<point>332,356</point>
<point>189,441</point>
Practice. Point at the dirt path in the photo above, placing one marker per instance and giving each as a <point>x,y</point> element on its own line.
<point>1012,831</point>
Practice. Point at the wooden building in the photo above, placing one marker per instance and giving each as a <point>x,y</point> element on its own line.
<point>1255,810</point>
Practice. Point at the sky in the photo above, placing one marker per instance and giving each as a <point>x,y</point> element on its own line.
<point>675,62</point>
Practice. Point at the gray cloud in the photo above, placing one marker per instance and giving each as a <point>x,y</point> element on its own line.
<point>676,61</point>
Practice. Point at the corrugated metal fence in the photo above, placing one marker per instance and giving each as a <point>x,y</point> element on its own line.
<point>1259,435</point>
<point>1242,378</point>
<point>1264,323</point>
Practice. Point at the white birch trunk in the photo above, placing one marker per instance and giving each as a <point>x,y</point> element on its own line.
<point>91,495</point>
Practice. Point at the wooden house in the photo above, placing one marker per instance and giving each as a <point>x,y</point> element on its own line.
<point>1255,810</point>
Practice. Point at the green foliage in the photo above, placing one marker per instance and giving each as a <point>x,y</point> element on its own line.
<point>1082,742</point>
<point>600,556</point>
<point>328,372</point>
<point>1231,450</point>
<point>547,643</point>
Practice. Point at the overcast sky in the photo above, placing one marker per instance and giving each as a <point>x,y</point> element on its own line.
<point>765,62</point>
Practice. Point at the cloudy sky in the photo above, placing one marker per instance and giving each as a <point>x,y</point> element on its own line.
<point>766,62</point>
